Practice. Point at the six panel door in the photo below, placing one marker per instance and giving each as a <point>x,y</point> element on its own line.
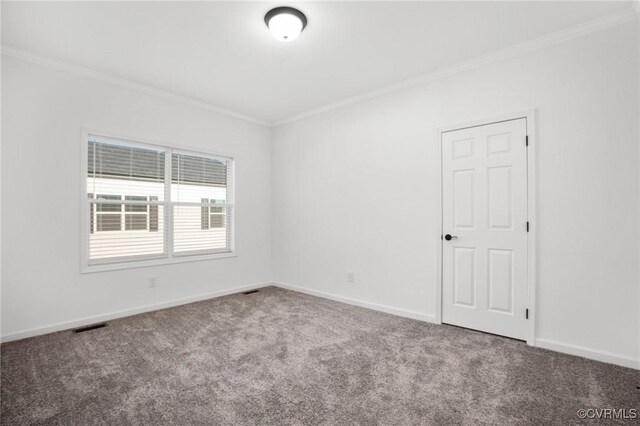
<point>484,195</point>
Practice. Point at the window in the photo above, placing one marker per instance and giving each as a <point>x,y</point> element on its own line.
<point>212,216</point>
<point>108,217</point>
<point>146,202</point>
<point>118,217</point>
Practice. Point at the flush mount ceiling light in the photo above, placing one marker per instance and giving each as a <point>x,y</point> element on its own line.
<point>285,23</point>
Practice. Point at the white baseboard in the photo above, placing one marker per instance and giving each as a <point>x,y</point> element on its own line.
<point>356,302</point>
<point>125,313</point>
<point>588,353</point>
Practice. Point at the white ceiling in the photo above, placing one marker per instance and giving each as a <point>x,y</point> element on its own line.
<point>222,53</point>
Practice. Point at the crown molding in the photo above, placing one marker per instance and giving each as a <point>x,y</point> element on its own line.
<point>44,61</point>
<point>551,39</point>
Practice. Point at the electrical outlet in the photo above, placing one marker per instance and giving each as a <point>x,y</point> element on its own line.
<point>153,282</point>
<point>350,277</point>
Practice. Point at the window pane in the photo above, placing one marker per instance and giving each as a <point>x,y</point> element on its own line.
<point>136,240</point>
<point>194,178</point>
<point>109,207</point>
<point>116,170</point>
<point>118,165</point>
<point>217,209</point>
<point>108,222</point>
<point>204,214</point>
<point>135,208</point>
<point>153,215</point>
<point>135,222</point>
<point>202,180</point>
<point>217,220</point>
<point>189,235</point>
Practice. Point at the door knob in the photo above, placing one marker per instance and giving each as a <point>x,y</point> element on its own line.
<point>449,237</point>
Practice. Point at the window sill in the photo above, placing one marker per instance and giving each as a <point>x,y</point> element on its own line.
<point>88,269</point>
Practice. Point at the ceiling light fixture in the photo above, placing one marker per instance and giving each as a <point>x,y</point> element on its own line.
<point>285,23</point>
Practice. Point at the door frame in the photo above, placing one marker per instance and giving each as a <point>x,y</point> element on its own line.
<point>531,127</point>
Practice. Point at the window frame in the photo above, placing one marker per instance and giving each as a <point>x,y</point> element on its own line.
<point>169,256</point>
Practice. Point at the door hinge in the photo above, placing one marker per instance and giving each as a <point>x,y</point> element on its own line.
<point>527,226</point>
<point>526,313</point>
<point>526,140</point>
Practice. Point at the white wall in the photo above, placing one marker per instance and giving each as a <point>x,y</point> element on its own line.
<point>43,112</point>
<point>357,189</point>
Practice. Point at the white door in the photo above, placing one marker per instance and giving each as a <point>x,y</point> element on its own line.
<point>484,227</point>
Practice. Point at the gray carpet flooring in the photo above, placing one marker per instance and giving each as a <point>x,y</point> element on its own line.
<point>279,357</point>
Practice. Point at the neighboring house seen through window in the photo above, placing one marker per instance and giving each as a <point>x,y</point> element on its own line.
<point>118,217</point>
<point>212,216</point>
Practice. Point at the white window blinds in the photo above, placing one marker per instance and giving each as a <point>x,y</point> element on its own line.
<point>201,191</point>
<point>147,202</point>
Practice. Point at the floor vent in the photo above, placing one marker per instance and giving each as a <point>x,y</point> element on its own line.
<point>90,327</point>
<point>250,291</point>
